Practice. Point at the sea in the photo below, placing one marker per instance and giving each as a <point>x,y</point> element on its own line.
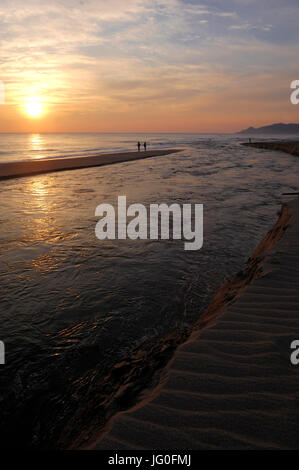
<point>82,318</point>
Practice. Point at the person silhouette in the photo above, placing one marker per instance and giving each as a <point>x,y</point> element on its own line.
<point>138,145</point>
<point>144,145</point>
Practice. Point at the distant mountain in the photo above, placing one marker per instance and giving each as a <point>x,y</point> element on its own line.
<point>279,128</point>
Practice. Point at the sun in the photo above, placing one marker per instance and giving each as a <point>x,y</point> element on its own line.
<point>34,107</point>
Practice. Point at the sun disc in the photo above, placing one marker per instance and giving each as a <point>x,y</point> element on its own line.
<point>34,108</point>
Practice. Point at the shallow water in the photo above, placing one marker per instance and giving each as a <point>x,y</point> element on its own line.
<point>16,147</point>
<point>63,291</point>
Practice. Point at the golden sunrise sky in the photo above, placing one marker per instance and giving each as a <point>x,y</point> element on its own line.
<point>147,65</point>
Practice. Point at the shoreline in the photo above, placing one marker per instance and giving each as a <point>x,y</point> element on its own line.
<point>291,147</point>
<point>33,167</point>
<point>230,385</point>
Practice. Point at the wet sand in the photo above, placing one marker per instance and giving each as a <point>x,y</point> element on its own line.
<point>291,147</point>
<point>231,385</point>
<point>30,167</point>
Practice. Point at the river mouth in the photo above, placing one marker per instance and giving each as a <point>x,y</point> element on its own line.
<point>87,325</point>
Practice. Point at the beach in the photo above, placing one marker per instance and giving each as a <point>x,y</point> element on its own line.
<point>149,280</point>
<point>90,325</point>
<point>231,385</point>
<point>38,166</point>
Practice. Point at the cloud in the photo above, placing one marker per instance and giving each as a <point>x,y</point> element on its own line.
<point>251,27</point>
<point>112,55</point>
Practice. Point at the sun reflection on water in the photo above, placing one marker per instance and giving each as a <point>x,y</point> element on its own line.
<point>38,208</point>
<point>37,145</point>
<point>39,188</point>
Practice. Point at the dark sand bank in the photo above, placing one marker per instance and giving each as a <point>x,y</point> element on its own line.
<point>291,147</point>
<point>30,167</point>
<point>231,385</point>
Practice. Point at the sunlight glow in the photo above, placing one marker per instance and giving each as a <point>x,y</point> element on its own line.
<point>34,107</point>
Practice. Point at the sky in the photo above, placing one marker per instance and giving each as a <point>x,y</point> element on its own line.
<point>147,65</point>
